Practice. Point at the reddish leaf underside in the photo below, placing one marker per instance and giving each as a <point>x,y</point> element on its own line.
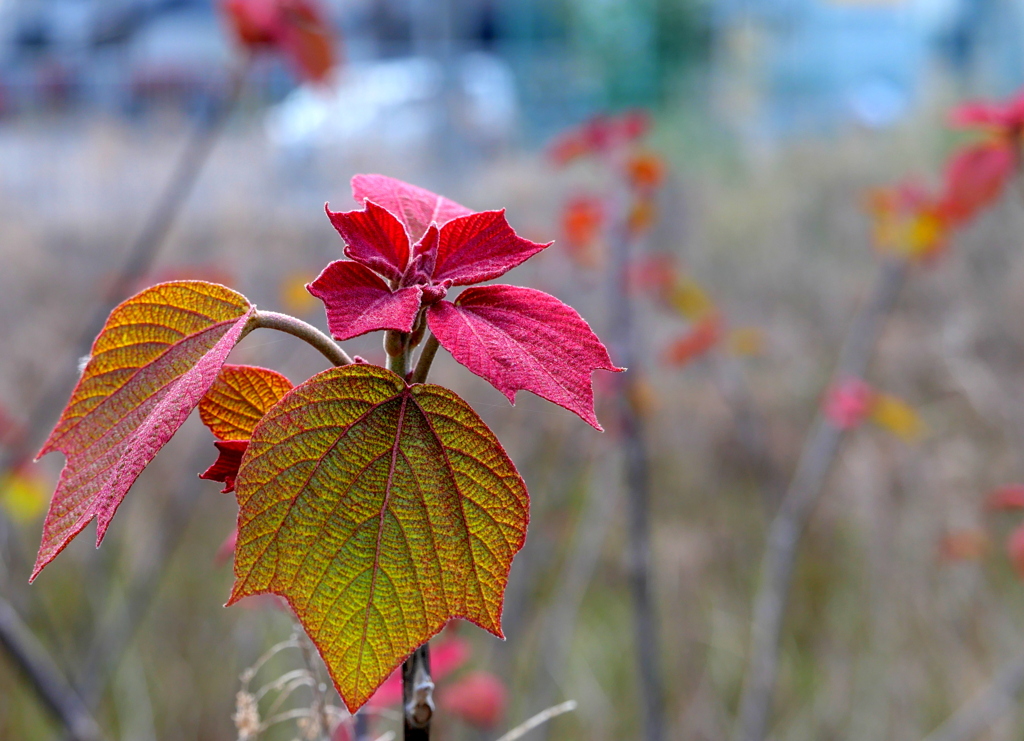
<point>520,338</point>
<point>157,355</point>
<point>358,301</point>
<point>225,468</point>
<point>380,511</point>
<point>415,207</point>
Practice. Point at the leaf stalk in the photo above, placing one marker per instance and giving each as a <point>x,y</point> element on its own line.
<point>304,331</point>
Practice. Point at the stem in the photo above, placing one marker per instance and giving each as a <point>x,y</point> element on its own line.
<point>417,695</point>
<point>637,479</point>
<point>419,375</point>
<point>798,503</point>
<point>306,332</point>
<point>44,676</point>
<point>396,347</point>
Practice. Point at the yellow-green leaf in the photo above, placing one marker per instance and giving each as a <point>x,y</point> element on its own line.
<point>239,398</point>
<point>380,511</point>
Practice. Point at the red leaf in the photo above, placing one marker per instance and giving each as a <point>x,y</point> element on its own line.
<point>704,336</point>
<point>977,114</point>
<point>227,548</point>
<point>296,28</point>
<point>520,338</point>
<point>225,468</point>
<point>582,220</point>
<point>478,698</point>
<point>848,403</point>
<point>375,238</point>
<point>479,247</point>
<point>1015,550</point>
<point>1006,497</point>
<point>358,301</point>
<point>415,207</point>
<point>976,177</point>
<point>157,355</point>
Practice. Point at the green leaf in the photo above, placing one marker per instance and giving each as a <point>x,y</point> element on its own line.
<point>380,511</point>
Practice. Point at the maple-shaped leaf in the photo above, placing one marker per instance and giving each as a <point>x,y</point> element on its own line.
<point>359,301</point>
<point>416,208</point>
<point>521,338</point>
<point>379,511</point>
<point>157,355</point>
<point>232,407</point>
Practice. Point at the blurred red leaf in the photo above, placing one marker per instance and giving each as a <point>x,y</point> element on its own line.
<point>848,403</point>
<point>298,29</point>
<point>645,171</point>
<point>975,178</point>
<point>582,220</point>
<point>227,548</point>
<point>446,655</point>
<point>968,544</point>
<point>704,335</point>
<point>1006,497</point>
<point>1015,550</point>
<point>655,273</point>
<point>598,135</point>
<point>479,698</point>
<point>1006,117</point>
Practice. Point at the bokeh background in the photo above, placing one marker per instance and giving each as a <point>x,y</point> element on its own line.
<point>773,117</point>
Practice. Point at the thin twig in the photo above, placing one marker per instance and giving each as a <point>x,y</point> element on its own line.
<point>542,717</point>
<point>637,462</point>
<point>45,678</point>
<point>798,503</point>
<point>978,714</point>
<point>304,331</point>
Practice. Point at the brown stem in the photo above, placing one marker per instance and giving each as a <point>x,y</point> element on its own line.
<point>417,695</point>
<point>419,375</point>
<point>306,332</point>
<point>805,489</point>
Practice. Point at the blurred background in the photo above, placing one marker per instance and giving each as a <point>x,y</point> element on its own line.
<point>771,119</point>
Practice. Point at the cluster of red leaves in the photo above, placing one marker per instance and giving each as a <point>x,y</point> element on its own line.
<point>599,135</point>
<point>296,29</point>
<point>408,248</point>
<point>583,220</point>
<point>912,222</point>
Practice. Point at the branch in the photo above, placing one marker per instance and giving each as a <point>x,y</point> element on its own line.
<point>417,695</point>
<point>306,332</point>
<point>984,708</point>
<point>430,347</point>
<point>44,676</point>
<point>798,503</point>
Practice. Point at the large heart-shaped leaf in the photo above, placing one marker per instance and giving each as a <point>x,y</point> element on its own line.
<point>157,355</point>
<point>380,511</point>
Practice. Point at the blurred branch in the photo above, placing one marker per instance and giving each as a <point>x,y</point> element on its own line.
<point>622,333</point>
<point>985,708</point>
<point>137,263</point>
<point>542,717</point>
<point>417,695</point>
<point>816,458</point>
<point>44,676</point>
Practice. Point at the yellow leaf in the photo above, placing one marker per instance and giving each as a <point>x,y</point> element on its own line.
<point>896,416</point>
<point>745,341</point>
<point>689,299</point>
<point>23,495</point>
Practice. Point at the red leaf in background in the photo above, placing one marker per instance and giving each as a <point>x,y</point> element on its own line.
<point>446,655</point>
<point>1006,497</point>
<point>967,544</point>
<point>479,247</point>
<point>598,135</point>
<point>655,273</point>
<point>705,334</point>
<point>976,177</point>
<point>156,357</point>
<point>582,220</point>
<point>296,28</point>
<point>227,548</point>
<point>520,338</point>
<point>358,301</point>
<point>374,238</point>
<point>417,208</point>
<point>848,403</point>
<point>479,698</point>
<point>225,468</point>
<point>645,171</point>
<point>1015,550</point>
<point>1006,117</point>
